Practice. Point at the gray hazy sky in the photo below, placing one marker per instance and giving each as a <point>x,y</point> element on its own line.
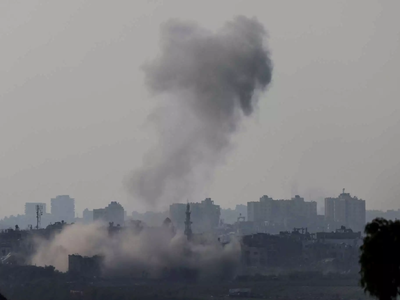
<point>74,107</point>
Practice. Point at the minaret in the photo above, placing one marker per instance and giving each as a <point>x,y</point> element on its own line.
<point>188,223</point>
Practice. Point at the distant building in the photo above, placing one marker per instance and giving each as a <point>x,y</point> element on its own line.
<point>388,215</point>
<point>177,213</point>
<point>244,228</point>
<point>345,210</point>
<point>340,236</point>
<point>87,216</point>
<point>283,214</point>
<point>241,209</point>
<point>151,218</point>
<point>204,215</point>
<point>114,212</point>
<point>31,214</point>
<point>264,250</point>
<point>254,212</point>
<point>63,208</point>
<point>99,214</point>
<point>230,216</point>
<point>30,208</point>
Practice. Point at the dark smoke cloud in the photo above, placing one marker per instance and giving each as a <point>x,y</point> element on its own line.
<point>211,80</point>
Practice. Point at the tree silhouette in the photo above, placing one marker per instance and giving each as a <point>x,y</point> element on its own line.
<point>380,259</point>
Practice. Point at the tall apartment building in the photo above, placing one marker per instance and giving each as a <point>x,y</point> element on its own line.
<point>204,215</point>
<point>63,208</point>
<point>345,210</point>
<point>283,214</point>
<point>254,211</point>
<point>177,214</point>
<point>114,212</point>
<point>87,216</point>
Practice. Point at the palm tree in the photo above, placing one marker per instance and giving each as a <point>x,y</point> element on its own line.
<point>380,259</point>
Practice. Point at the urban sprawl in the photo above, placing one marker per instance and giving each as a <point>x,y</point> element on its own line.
<point>260,238</point>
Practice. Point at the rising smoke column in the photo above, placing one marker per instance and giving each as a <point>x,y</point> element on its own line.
<point>210,81</point>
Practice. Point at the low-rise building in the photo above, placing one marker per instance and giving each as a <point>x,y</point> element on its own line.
<point>340,236</point>
<point>263,250</point>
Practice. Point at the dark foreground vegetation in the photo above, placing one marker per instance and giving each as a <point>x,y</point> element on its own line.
<point>380,259</point>
<point>37,283</point>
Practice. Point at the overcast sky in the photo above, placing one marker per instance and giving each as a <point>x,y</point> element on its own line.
<point>74,107</point>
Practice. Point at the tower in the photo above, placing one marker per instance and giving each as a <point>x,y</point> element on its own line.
<point>188,223</point>
<point>39,213</point>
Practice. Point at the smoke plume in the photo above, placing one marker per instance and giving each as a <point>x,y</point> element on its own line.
<point>127,251</point>
<point>210,81</point>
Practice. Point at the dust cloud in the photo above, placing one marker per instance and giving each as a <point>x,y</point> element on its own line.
<point>150,250</point>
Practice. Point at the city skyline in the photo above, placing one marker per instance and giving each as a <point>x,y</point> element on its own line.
<point>320,204</point>
<point>277,214</point>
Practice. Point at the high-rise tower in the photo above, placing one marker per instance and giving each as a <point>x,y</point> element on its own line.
<point>188,223</point>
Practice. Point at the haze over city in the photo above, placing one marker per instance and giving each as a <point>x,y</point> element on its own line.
<point>76,113</point>
<point>199,150</point>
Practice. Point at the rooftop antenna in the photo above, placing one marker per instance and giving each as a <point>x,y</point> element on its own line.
<point>39,213</point>
<point>343,190</point>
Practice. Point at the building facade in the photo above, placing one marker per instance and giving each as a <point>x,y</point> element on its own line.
<point>282,214</point>
<point>263,250</point>
<point>87,216</point>
<point>114,213</point>
<point>340,236</point>
<point>177,213</point>
<point>63,208</point>
<point>204,215</point>
<point>345,210</point>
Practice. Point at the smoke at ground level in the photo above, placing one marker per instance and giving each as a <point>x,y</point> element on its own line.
<point>151,250</point>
